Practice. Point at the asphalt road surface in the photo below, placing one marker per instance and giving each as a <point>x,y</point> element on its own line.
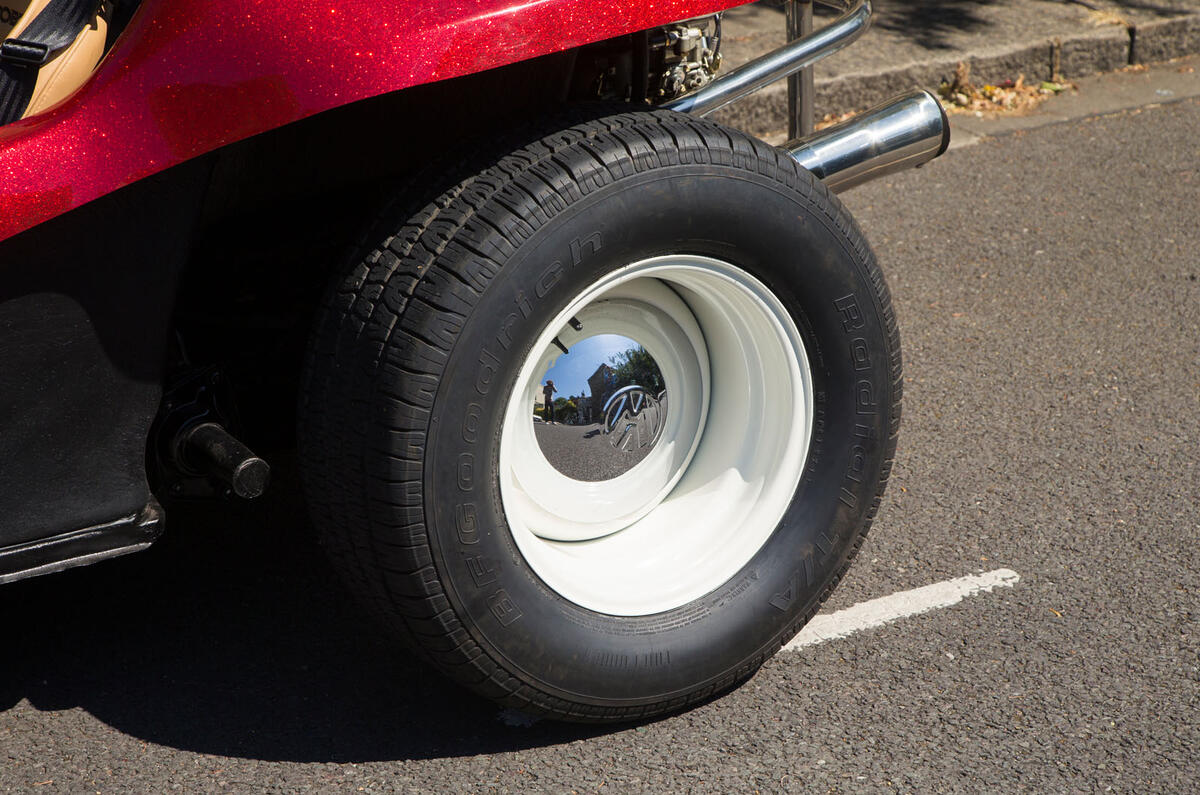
<point>1048,287</point>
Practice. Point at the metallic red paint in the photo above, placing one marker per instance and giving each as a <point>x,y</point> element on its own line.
<point>189,76</point>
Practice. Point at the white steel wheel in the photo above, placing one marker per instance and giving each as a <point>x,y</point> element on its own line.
<point>689,515</point>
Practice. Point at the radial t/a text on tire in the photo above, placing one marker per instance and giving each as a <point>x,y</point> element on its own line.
<point>763,454</point>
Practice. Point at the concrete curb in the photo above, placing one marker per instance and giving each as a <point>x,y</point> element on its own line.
<point>1165,39</point>
<point>1092,52</point>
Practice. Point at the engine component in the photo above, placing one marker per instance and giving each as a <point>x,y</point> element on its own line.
<point>684,57</point>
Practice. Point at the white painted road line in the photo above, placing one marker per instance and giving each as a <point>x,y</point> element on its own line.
<point>899,605</point>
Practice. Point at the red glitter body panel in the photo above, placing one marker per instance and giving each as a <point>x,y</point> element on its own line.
<point>190,76</point>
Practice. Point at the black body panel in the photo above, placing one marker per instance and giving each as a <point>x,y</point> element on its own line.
<point>85,303</point>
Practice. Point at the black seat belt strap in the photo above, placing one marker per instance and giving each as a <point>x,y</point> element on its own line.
<point>51,31</point>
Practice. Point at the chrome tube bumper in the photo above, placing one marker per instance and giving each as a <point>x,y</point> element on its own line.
<point>899,134</point>
<point>777,64</point>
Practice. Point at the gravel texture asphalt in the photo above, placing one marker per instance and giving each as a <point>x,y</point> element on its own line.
<point>1047,283</point>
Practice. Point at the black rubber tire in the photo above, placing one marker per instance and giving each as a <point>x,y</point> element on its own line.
<point>400,463</point>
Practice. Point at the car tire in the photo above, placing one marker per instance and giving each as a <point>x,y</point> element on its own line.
<point>785,393</point>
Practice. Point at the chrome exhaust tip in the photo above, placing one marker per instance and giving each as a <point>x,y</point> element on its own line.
<point>899,134</point>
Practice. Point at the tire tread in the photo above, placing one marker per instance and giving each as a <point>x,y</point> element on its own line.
<point>399,294</point>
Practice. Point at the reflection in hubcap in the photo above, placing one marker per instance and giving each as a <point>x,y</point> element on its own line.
<point>601,407</point>
<point>634,419</point>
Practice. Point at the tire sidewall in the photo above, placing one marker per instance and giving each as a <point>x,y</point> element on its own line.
<point>790,240</point>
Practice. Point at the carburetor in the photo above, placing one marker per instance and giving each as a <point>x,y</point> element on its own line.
<point>653,66</point>
<point>684,57</point>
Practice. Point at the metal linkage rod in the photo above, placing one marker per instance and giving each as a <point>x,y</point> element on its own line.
<point>801,86</point>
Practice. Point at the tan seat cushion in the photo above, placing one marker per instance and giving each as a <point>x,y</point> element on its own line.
<point>70,68</point>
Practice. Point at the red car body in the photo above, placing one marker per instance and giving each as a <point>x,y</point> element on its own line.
<point>191,76</point>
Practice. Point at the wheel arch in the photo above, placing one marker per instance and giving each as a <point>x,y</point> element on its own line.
<point>282,208</point>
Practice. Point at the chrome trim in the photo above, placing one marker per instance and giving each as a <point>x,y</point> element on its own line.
<point>778,64</point>
<point>621,410</point>
<point>901,133</point>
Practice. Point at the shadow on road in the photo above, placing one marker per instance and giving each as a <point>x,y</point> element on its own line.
<point>1156,9</point>
<point>927,23</point>
<point>932,24</point>
<point>231,637</point>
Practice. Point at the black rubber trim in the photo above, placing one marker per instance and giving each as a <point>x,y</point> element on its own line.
<point>78,547</point>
